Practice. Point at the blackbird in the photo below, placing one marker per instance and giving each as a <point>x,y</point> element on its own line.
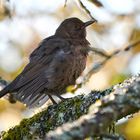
<point>54,65</point>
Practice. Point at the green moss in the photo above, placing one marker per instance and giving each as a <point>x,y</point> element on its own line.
<point>52,117</point>
<point>118,78</point>
<point>18,132</point>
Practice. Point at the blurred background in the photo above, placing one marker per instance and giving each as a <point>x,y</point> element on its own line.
<point>24,23</point>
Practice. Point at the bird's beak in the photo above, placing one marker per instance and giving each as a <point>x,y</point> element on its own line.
<point>89,23</point>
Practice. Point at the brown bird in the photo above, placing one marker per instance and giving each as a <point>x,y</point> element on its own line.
<point>55,64</point>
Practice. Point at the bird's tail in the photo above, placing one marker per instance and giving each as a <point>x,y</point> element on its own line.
<point>3,92</point>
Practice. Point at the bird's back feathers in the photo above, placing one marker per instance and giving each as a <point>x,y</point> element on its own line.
<point>54,65</point>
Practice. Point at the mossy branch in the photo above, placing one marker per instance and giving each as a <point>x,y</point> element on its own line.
<point>114,103</point>
<point>53,116</point>
<point>123,101</point>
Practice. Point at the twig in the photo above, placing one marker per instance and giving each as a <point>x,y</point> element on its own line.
<point>99,51</point>
<point>84,7</point>
<point>98,66</point>
<point>97,3</point>
<point>65,4</point>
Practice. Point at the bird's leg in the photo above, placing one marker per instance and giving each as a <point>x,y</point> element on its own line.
<point>60,97</point>
<point>53,101</point>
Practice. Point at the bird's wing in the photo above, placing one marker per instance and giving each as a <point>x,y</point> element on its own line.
<point>41,71</point>
<point>40,60</point>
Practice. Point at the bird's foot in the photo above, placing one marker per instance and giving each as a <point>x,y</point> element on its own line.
<point>53,101</point>
<point>62,98</point>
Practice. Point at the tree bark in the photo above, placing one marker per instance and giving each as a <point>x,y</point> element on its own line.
<point>112,105</point>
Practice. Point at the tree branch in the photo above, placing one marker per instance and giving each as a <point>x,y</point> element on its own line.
<point>99,65</point>
<point>54,116</point>
<point>85,8</point>
<point>124,101</point>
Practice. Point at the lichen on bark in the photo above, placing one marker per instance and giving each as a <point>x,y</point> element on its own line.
<point>113,104</point>
<point>53,116</point>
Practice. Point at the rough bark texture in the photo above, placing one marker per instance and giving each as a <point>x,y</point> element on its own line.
<point>53,116</point>
<point>122,100</point>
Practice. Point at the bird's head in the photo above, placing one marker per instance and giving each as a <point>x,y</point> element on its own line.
<point>73,28</point>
